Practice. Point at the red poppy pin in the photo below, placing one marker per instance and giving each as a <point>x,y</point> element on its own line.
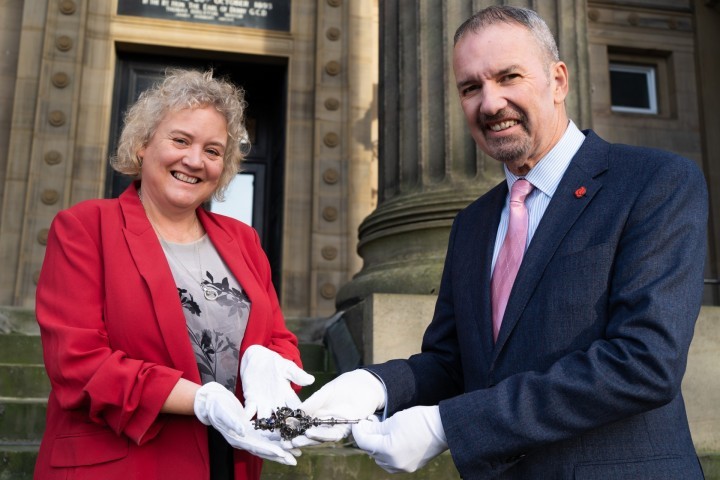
<point>580,192</point>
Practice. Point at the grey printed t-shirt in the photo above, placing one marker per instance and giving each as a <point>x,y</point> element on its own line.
<point>216,308</point>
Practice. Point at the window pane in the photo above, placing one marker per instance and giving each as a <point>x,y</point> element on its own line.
<point>629,89</point>
<point>632,88</point>
<point>238,201</point>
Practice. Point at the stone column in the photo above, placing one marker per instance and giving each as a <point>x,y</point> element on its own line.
<point>706,19</point>
<point>43,149</point>
<point>429,166</point>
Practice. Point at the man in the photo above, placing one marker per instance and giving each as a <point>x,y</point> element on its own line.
<point>570,365</point>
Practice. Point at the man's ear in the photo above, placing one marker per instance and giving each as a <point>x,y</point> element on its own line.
<point>560,79</point>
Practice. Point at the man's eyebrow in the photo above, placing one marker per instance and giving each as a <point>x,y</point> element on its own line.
<point>506,70</point>
<point>459,85</point>
<point>473,79</point>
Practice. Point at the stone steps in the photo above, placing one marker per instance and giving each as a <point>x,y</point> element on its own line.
<point>24,388</point>
<point>351,463</point>
<point>22,420</point>
<point>17,462</point>
<point>20,348</point>
<point>316,361</point>
<point>23,380</point>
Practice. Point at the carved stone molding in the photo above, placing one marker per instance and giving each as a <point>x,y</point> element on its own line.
<point>63,43</point>
<point>61,79</point>
<point>53,157</point>
<point>330,214</point>
<point>331,176</point>
<point>328,291</point>
<point>332,104</point>
<point>49,196</point>
<point>329,253</point>
<point>67,7</point>
<point>331,139</point>
<point>332,68</point>
<point>56,118</point>
<point>332,34</point>
<point>42,236</point>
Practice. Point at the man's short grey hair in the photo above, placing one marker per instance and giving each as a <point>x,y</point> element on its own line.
<point>508,14</point>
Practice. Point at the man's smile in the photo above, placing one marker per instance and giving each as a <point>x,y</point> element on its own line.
<point>504,125</point>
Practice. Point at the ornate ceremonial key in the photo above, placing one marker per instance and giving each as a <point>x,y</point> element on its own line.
<point>293,423</point>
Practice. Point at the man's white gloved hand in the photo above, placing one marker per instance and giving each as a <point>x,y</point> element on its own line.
<point>218,407</point>
<point>266,378</point>
<point>351,396</point>
<point>404,442</point>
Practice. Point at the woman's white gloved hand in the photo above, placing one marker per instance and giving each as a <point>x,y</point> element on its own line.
<point>260,445</point>
<point>266,381</point>
<point>216,406</point>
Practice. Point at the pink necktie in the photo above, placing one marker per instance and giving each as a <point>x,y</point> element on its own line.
<point>511,252</point>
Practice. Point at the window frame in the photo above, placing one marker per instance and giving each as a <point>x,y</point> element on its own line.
<point>650,72</point>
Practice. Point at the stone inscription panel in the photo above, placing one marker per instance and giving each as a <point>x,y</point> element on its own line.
<point>268,15</point>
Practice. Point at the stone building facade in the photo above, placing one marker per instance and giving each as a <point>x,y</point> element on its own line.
<point>70,67</point>
<point>311,71</point>
<point>360,156</point>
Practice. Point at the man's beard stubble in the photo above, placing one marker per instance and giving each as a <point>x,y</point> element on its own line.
<point>509,149</point>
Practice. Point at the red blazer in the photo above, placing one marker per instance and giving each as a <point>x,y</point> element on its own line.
<point>115,343</point>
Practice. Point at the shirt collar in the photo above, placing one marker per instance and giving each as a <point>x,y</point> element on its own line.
<point>547,173</point>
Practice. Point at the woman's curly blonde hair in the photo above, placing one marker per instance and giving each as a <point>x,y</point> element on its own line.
<point>179,90</point>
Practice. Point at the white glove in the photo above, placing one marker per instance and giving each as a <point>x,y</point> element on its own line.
<point>261,445</point>
<point>404,442</point>
<point>218,407</point>
<point>266,378</point>
<point>351,396</point>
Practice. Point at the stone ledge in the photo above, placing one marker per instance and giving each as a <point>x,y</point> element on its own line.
<point>352,463</point>
<point>711,466</point>
<point>18,320</point>
<point>17,463</point>
<point>701,384</point>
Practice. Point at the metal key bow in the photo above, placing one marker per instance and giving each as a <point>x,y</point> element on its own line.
<point>293,423</point>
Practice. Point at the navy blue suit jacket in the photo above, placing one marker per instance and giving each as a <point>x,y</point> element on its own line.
<point>584,380</point>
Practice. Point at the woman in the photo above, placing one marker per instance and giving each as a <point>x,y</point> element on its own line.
<point>147,303</point>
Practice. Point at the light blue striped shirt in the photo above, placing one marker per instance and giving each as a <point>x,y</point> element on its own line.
<point>545,177</point>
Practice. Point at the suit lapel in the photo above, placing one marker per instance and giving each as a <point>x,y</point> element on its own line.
<point>561,214</point>
<point>150,261</point>
<point>236,259</point>
<point>485,231</point>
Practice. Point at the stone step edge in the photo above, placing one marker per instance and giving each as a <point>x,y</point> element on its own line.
<point>11,364</point>
<point>13,446</point>
<point>28,400</point>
